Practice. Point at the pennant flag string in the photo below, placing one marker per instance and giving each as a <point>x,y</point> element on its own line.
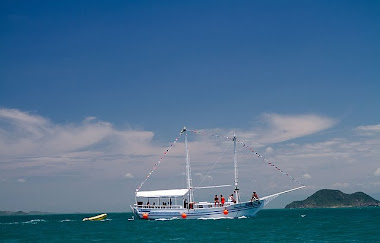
<point>250,149</point>
<point>268,162</point>
<point>159,161</point>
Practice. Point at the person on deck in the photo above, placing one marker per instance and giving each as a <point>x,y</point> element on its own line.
<point>216,199</point>
<point>222,200</point>
<point>255,197</point>
<point>231,198</point>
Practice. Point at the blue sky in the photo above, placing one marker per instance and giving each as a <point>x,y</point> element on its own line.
<point>81,80</point>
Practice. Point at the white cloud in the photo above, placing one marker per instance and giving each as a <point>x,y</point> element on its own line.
<point>307,176</point>
<point>47,138</point>
<point>277,128</point>
<point>377,172</point>
<point>203,177</point>
<point>368,130</point>
<point>21,117</point>
<point>341,185</point>
<point>129,176</point>
<point>21,180</point>
<point>31,141</point>
<point>269,150</point>
<point>285,127</point>
<point>26,124</point>
<point>341,150</point>
<point>89,119</point>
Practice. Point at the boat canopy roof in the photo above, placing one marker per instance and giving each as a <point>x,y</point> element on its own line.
<point>162,193</point>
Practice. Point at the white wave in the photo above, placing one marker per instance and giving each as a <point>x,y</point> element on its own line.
<point>178,239</point>
<point>66,220</point>
<point>164,219</point>
<point>9,223</point>
<point>34,221</point>
<point>242,217</point>
<point>216,218</point>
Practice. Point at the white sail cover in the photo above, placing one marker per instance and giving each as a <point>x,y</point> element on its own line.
<point>162,193</point>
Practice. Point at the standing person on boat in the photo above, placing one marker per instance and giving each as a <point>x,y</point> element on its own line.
<point>216,199</point>
<point>222,200</point>
<point>255,197</point>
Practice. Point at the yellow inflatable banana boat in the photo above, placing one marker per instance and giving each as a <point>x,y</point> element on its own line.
<point>97,217</point>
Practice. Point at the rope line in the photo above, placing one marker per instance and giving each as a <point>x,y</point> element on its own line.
<point>251,150</point>
<point>214,164</point>
<point>268,162</point>
<point>159,161</point>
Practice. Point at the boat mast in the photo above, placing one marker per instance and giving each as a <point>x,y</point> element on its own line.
<point>237,196</point>
<point>188,169</point>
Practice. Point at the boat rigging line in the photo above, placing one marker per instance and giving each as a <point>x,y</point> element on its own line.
<point>212,167</point>
<point>159,161</point>
<point>216,136</point>
<point>251,150</point>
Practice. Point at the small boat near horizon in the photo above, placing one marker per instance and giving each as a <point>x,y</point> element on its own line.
<point>180,203</point>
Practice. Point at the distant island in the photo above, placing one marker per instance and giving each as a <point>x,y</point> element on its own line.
<point>327,198</point>
<point>12,213</point>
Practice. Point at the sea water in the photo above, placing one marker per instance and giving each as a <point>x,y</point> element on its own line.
<point>271,225</point>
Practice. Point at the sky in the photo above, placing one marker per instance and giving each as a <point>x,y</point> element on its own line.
<point>92,93</point>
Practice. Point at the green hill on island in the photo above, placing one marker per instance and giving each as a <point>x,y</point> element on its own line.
<point>327,198</point>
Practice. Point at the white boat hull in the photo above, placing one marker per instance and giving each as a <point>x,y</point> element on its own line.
<point>247,209</point>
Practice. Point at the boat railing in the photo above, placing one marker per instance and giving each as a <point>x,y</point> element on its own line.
<point>212,205</point>
<point>158,206</point>
<point>194,205</point>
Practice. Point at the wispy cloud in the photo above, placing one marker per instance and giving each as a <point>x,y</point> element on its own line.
<point>307,176</point>
<point>368,130</point>
<point>350,159</point>
<point>29,140</point>
<point>275,128</point>
<point>341,185</point>
<point>279,128</point>
<point>129,176</point>
<point>377,172</point>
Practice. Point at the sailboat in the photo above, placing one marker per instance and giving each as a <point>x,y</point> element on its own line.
<point>180,203</point>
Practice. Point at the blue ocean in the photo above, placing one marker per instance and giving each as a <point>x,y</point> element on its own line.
<point>269,225</point>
